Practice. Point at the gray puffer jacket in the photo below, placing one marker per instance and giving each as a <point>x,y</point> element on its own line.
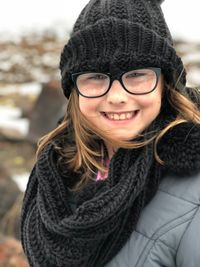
<point>168,231</point>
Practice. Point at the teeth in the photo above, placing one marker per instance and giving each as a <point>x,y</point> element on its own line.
<point>128,115</point>
<point>116,117</point>
<point>122,116</point>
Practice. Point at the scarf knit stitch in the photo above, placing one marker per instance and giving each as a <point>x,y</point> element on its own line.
<point>106,212</point>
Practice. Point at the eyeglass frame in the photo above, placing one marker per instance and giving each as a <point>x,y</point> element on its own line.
<point>117,77</point>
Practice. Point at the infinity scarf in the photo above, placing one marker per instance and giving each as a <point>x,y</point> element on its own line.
<point>55,234</point>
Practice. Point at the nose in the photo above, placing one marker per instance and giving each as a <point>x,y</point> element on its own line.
<point>117,94</point>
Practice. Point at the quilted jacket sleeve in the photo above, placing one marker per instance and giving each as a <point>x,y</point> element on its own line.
<point>188,253</point>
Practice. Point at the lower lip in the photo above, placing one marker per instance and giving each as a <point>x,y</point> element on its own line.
<point>121,122</point>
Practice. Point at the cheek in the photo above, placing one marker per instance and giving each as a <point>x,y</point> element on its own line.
<point>87,105</point>
<point>153,100</point>
<point>150,106</point>
<point>150,102</point>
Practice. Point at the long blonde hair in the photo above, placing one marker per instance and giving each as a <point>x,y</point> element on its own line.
<point>84,154</point>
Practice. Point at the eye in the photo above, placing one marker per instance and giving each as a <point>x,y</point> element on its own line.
<point>97,76</point>
<point>135,74</point>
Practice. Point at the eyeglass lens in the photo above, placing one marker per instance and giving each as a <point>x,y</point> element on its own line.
<point>139,81</point>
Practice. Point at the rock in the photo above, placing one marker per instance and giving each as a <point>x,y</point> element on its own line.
<point>10,205</point>
<point>48,109</point>
<point>9,192</point>
<point>11,253</point>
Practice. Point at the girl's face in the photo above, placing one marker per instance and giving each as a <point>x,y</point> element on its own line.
<point>122,114</point>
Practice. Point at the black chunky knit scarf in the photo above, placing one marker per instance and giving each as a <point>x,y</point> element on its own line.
<point>57,233</point>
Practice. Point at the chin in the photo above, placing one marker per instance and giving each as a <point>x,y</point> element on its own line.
<point>124,137</point>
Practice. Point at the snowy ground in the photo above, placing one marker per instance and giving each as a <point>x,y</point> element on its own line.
<point>21,180</point>
<point>11,116</point>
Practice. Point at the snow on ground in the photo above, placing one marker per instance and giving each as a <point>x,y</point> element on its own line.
<point>33,88</point>
<point>10,118</point>
<point>21,180</point>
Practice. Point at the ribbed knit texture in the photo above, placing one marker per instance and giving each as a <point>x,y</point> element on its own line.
<point>89,235</point>
<point>118,35</point>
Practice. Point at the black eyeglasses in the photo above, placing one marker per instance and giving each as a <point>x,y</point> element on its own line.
<point>135,82</point>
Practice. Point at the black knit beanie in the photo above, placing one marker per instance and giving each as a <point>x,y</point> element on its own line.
<point>119,35</point>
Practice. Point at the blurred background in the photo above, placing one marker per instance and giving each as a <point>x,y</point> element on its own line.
<point>32,35</point>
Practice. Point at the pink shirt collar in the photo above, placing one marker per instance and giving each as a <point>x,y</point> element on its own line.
<point>106,162</point>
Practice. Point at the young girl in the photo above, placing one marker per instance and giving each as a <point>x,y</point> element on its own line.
<point>117,183</point>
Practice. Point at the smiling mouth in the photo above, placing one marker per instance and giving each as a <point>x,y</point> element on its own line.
<point>120,116</point>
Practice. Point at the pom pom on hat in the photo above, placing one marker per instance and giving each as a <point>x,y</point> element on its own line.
<point>157,1</point>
